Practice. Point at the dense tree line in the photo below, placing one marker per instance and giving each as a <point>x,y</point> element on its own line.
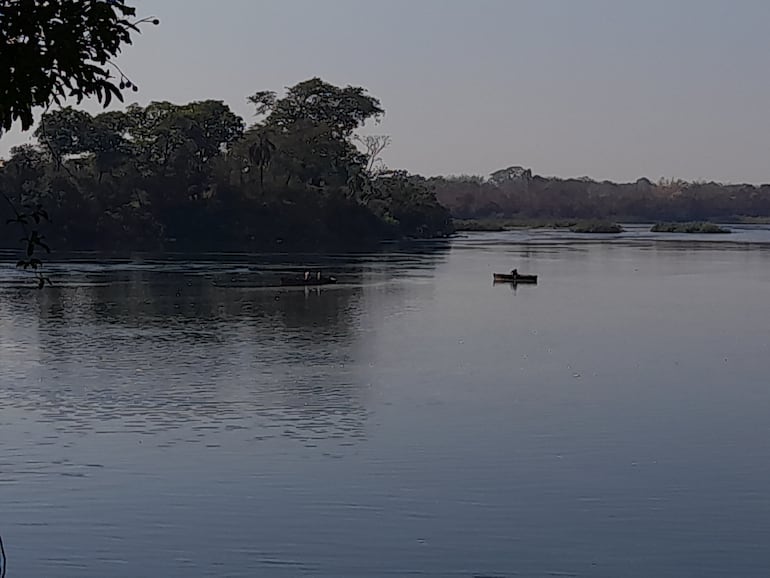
<point>515,192</point>
<point>194,176</point>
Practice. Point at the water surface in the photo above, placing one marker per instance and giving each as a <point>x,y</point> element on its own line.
<point>179,417</point>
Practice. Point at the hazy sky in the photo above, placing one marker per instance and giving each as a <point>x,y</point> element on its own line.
<point>606,88</point>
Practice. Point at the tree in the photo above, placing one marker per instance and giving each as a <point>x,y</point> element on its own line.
<point>52,50</point>
<point>260,153</point>
<point>511,174</point>
<point>172,135</point>
<point>408,202</point>
<point>373,146</point>
<point>318,103</point>
<point>311,128</point>
<point>180,175</point>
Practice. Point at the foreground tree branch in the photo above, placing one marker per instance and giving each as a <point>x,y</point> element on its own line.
<point>51,51</point>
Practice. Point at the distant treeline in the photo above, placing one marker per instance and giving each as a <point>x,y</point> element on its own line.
<point>195,177</point>
<point>515,193</point>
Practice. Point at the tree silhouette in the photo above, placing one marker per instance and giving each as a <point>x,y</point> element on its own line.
<point>260,154</point>
<point>52,51</point>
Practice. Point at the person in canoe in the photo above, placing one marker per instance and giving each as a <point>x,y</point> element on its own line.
<point>514,273</point>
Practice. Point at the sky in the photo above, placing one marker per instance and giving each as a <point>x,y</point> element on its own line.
<point>611,89</point>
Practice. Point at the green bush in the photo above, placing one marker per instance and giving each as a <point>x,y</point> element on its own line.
<point>709,228</point>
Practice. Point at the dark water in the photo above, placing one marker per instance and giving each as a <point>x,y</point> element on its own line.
<point>175,418</point>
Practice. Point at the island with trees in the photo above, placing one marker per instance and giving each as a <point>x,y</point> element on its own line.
<point>194,177</point>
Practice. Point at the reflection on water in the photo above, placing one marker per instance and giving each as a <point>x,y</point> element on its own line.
<point>185,417</point>
<point>148,347</point>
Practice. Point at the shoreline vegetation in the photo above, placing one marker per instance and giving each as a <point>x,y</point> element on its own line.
<point>575,226</point>
<point>196,177</point>
<point>589,226</point>
<point>513,223</point>
<point>514,197</point>
<point>690,228</point>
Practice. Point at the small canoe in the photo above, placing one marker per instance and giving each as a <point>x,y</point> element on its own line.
<point>302,282</point>
<point>514,278</point>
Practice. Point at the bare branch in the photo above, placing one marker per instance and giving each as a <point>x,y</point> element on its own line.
<point>373,146</point>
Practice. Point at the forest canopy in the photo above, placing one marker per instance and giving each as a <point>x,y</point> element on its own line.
<point>196,176</point>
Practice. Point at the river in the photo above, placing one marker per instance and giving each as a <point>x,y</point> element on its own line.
<point>177,417</point>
